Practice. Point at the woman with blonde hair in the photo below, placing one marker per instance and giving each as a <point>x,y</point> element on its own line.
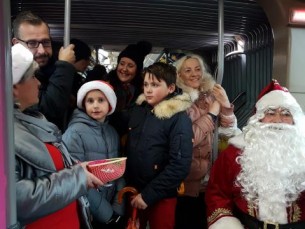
<point>209,103</point>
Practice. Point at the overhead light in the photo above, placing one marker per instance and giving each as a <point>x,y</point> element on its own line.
<point>240,43</point>
<point>297,17</point>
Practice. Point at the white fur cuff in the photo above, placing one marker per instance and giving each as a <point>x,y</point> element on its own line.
<point>227,222</point>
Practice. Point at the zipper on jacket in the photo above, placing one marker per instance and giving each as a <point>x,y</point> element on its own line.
<point>106,143</point>
<point>179,150</point>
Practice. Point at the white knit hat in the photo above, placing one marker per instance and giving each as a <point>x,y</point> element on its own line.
<point>22,59</point>
<point>97,85</point>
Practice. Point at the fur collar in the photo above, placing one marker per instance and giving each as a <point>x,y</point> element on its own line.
<point>207,83</point>
<point>169,107</point>
<point>238,141</point>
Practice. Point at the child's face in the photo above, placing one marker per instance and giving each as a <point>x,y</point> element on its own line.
<point>155,91</point>
<point>96,105</point>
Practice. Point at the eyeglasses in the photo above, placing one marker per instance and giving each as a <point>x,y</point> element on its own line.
<point>282,112</point>
<point>32,44</point>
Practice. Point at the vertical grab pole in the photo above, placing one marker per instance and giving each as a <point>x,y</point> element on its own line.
<point>220,70</point>
<point>220,42</point>
<point>8,212</point>
<point>67,22</point>
<point>67,38</point>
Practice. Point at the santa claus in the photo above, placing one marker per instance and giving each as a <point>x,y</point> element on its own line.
<point>259,180</point>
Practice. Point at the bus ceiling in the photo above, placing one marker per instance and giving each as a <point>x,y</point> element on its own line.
<point>175,25</point>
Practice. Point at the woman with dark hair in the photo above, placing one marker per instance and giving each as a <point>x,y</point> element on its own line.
<point>127,81</point>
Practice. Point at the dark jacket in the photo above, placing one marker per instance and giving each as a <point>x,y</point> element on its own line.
<point>126,96</point>
<point>159,147</point>
<point>39,186</point>
<point>55,90</point>
<point>88,140</point>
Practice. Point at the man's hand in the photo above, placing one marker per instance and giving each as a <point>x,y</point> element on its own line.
<point>67,54</point>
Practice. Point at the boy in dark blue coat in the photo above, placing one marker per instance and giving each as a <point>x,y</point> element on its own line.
<point>159,146</point>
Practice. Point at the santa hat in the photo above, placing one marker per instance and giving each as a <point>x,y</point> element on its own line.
<point>136,52</point>
<point>274,95</point>
<point>97,85</point>
<point>22,59</point>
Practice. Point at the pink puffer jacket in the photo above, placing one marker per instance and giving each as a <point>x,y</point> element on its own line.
<point>203,128</point>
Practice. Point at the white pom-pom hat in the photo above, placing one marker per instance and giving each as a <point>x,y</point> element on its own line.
<point>22,59</point>
<point>97,85</point>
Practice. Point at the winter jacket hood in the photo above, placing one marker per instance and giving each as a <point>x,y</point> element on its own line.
<point>88,139</point>
<point>80,116</point>
<point>170,106</point>
<point>206,85</point>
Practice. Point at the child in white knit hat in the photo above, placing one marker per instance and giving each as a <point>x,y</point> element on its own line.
<point>90,137</point>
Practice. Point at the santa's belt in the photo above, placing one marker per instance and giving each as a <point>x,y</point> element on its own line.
<point>251,222</point>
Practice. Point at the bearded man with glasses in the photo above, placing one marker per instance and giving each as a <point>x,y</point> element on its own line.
<point>55,74</point>
<point>259,180</point>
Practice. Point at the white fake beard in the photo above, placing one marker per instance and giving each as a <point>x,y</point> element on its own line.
<point>272,168</point>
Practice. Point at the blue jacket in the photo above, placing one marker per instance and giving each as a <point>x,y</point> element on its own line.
<point>88,140</point>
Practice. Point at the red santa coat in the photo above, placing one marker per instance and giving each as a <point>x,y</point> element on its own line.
<point>222,195</point>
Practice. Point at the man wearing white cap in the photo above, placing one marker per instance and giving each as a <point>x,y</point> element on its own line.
<point>259,180</point>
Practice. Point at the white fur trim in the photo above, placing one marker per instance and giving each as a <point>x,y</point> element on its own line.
<point>194,93</point>
<point>22,58</point>
<point>169,107</point>
<point>207,84</point>
<point>227,222</point>
<point>230,131</point>
<point>278,98</point>
<point>97,85</point>
<point>238,141</point>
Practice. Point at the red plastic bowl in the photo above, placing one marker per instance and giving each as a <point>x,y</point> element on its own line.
<point>108,169</point>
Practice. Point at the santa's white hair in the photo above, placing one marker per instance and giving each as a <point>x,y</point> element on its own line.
<point>273,161</point>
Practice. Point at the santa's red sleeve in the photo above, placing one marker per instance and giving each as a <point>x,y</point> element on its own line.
<point>222,193</point>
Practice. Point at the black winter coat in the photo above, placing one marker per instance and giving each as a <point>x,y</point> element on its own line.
<point>55,90</point>
<point>159,147</point>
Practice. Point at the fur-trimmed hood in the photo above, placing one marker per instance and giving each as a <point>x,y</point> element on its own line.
<point>169,107</point>
<point>207,83</point>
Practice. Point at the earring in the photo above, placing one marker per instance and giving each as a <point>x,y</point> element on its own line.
<point>17,104</point>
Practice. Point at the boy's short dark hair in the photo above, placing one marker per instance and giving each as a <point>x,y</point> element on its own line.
<point>162,71</point>
<point>82,50</point>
